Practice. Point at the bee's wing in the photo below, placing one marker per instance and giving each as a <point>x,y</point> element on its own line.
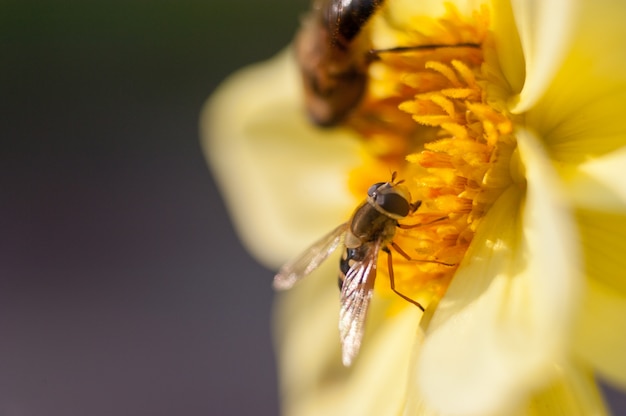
<point>309,260</point>
<point>356,293</point>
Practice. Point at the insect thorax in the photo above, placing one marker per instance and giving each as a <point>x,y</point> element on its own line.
<point>369,224</point>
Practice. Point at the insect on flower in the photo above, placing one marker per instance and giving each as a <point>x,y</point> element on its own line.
<point>334,58</point>
<point>333,67</point>
<point>371,229</point>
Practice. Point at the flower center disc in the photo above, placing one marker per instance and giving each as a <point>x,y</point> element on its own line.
<point>427,115</point>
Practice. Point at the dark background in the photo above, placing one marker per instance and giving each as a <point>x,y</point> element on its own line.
<point>123,289</point>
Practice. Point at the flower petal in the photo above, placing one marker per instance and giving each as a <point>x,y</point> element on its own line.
<point>588,126</point>
<point>545,29</point>
<point>609,171</point>
<point>597,189</point>
<point>402,19</point>
<point>603,237</point>
<point>573,393</point>
<point>506,317</point>
<point>581,114</point>
<point>509,51</point>
<point>284,181</point>
<point>403,13</point>
<point>600,338</point>
<point>598,184</point>
<point>313,380</point>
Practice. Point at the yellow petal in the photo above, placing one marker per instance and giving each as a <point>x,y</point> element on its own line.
<point>600,338</point>
<point>574,392</point>
<point>284,181</point>
<point>508,46</point>
<point>313,380</point>
<point>609,171</point>
<point>506,317</point>
<point>581,114</point>
<point>603,237</point>
<point>401,19</point>
<point>599,184</point>
<point>597,188</point>
<point>600,331</point>
<point>403,14</point>
<point>545,29</point>
<point>579,126</point>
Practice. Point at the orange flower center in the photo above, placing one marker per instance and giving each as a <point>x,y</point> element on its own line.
<point>427,115</point>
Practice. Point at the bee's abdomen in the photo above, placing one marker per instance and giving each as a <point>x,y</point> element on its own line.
<point>345,19</point>
<point>349,257</point>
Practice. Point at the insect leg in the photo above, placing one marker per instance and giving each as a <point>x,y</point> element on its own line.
<point>409,226</point>
<point>392,281</point>
<point>409,258</point>
<point>374,54</point>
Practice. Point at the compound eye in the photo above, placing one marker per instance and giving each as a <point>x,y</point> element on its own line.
<point>394,203</point>
<point>372,189</point>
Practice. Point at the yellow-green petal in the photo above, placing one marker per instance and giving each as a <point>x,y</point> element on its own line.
<point>402,13</point>
<point>545,29</point>
<point>600,331</point>
<point>599,183</point>
<point>609,171</point>
<point>313,380</point>
<point>284,181</point>
<point>579,126</point>
<point>581,114</point>
<point>600,338</point>
<point>603,237</point>
<point>574,392</point>
<point>399,20</point>
<point>507,315</point>
<point>508,47</point>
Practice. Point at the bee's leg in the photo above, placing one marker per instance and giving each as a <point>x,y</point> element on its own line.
<point>374,54</point>
<point>393,282</point>
<point>409,258</point>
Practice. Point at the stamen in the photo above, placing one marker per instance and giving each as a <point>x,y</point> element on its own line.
<point>453,150</point>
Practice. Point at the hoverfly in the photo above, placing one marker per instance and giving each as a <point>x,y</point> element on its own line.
<point>370,229</point>
<point>334,60</point>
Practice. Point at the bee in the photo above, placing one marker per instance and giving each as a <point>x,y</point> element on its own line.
<point>334,59</point>
<point>333,68</point>
<point>369,231</point>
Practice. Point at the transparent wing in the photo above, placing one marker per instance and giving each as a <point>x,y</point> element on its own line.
<point>356,293</point>
<point>309,260</point>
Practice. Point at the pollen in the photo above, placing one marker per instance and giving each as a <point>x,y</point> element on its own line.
<point>428,116</point>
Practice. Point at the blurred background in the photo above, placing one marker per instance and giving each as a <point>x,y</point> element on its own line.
<point>123,289</point>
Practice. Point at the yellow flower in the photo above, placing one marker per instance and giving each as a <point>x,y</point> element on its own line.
<point>520,143</point>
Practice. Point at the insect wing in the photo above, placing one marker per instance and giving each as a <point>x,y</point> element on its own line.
<point>309,260</point>
<point>356,293</point>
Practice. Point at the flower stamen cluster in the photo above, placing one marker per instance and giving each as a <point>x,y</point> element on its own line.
<point>433,113</point>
